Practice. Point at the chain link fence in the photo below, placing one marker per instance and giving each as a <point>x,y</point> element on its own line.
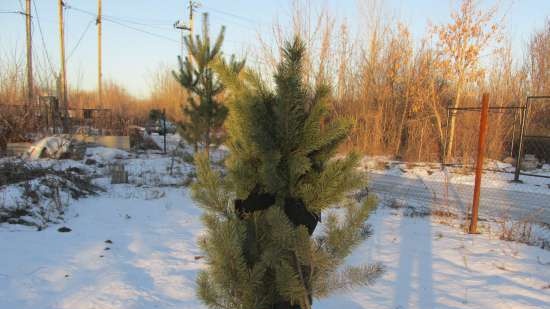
<point>516,135</point>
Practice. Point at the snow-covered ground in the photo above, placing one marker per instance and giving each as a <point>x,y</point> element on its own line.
<point>134,246</point>
<point>428,184</point>
<point>497,175</point>
<point>152,260</point>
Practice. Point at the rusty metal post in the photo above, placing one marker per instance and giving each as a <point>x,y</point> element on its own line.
<point>479,161</point>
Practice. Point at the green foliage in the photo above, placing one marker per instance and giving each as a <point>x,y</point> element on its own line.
<point>279,144</point>
<point>205,114</point>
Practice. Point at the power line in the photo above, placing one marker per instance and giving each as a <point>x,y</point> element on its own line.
<point>234,23</point>
<point>250,20</point>
<point>160,36</point>
<point>42,39</point>
<point>80,39</point>
<point>13,12</point>
<point>159,25</point>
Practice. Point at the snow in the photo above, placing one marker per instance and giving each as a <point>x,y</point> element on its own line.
<point>106,154</point>
<point>172,140</point>
<point>134,246</point>
<point>152,263</point>
<point>429,265</point>
<point>498,175</point>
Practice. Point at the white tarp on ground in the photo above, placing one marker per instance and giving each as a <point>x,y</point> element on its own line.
<point>54,147</point>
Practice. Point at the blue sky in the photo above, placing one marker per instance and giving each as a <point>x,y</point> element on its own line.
<point>129,56</point>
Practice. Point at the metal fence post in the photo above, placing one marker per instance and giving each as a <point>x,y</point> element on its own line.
<point>479,161</point>
<point>164,127</point>
<point>444,155</point>
<point>519,155</point>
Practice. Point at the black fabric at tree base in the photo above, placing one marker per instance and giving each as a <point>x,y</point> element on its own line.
<point>296,212</point>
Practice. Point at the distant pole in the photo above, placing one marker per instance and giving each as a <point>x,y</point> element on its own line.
<point>192,6</point>
<point>519,155</point>
<point>180,24</point>
<point>62,47</point>
<point>479,161</point>
<point>99,72</point>
<point>28,25</point>
<point>164,127</point>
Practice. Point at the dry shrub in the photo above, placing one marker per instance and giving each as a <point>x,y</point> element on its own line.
<point>524,230</point>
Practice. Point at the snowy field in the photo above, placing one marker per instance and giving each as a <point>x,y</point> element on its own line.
<point>497,175</point>
<point>134,246</point>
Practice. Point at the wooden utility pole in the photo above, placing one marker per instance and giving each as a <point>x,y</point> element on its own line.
<point>192,6</point>
<point>479,161</point>
<point>63,76</point>
<point>99,84</point>
<point>187,27</point>
<point>28,25</point>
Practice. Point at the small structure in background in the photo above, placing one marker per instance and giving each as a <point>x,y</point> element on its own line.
<point>111,141</point>
<point>52,119</point>
<point>118,174</point>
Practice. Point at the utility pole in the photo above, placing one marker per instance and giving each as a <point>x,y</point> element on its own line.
<point>28,25</point>
<point>192,6</point>
<point>180,24</point>
<point>62,45</point>
<point>99,84</point>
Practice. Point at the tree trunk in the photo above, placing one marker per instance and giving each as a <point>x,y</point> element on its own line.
<point>400,131</point>
<point>452,125</point>
<point>439,123</point>
<point>207,142</point>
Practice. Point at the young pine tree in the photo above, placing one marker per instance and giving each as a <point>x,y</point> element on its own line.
<point>205,115</point>
<point>281,175</point>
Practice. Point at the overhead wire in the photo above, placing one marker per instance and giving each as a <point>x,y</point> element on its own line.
<point>126,22</point>
<point>157,25</point>
<point>48,59</point>
<point>109,19</point>
<point>247,19</point>
<point>13,12</point>
<point>79,40</point>
<point>233,23</point>
<point>160,36</point>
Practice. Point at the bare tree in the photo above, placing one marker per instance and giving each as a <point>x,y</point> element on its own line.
<point>460,44</point>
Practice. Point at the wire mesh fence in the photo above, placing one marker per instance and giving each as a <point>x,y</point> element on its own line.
<point>514,145</point>
<point>533,155</point>
<point>501,142</point>
<point>511,130</point>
